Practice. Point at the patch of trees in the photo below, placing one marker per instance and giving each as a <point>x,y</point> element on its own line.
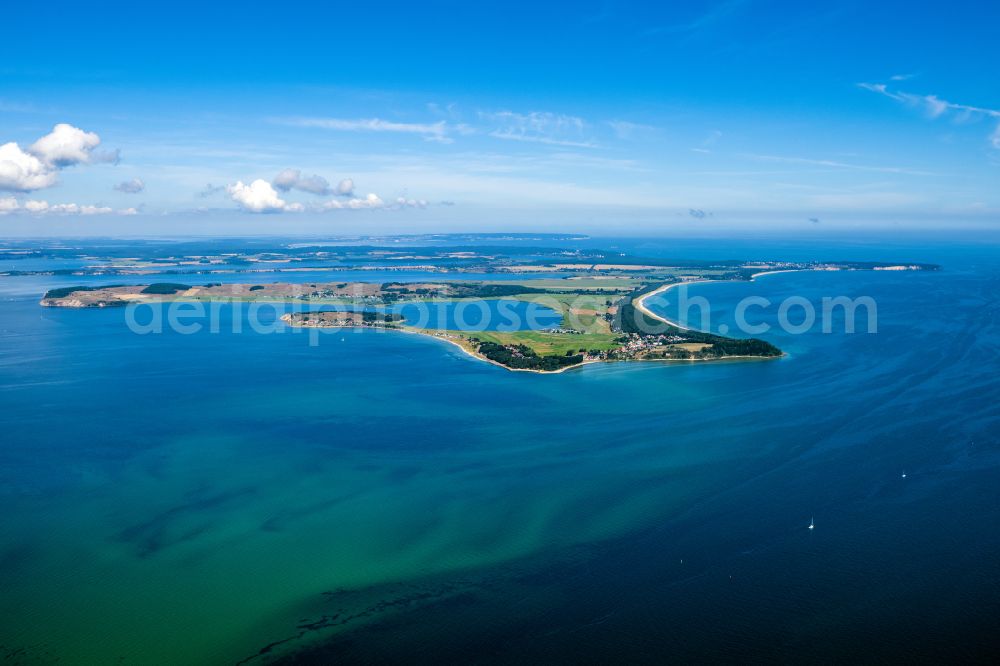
<point>601,291</point>
<point>63,292</point>
<point>392,289</point>
<point>462,290</point>
<point>500,290</point>
<point>257,287</point>
<point>739,347</point>
<point>369,317</point>
<point>165,288</point>
<point>522,357</point>
<point>631,320</point>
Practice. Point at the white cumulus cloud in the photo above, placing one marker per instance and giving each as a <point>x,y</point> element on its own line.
<point>76,209</point>
<point>370,201</point>
<point>259,197</point>
<point>23,172</point>
<point>65,145</point>
<point>37,207</point>
<point>38,166</point>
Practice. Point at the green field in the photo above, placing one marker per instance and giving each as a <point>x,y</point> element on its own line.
<point>549,343</point>
<point>580,312</point>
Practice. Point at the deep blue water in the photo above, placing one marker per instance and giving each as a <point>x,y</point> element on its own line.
<point>194,498</point>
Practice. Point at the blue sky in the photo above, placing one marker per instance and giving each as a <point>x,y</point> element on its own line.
<point>590,116</point>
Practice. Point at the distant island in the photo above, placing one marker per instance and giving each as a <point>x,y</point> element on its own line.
<point>601,302</point>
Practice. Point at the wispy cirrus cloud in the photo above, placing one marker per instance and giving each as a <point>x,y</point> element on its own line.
<point>438,131</point>
<point>542,127</point>
<point>554,129</point>
<point>935,107</point>
<point>833,164</point>
<point>628,131</point>
<point>712,138</point>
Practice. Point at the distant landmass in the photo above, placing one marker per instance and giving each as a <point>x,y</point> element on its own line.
<point>599,297</point>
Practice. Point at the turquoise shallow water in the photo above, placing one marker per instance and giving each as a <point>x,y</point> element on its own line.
<point>211,498</point>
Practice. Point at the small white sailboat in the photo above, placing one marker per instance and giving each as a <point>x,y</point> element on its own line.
<point>812,523</point>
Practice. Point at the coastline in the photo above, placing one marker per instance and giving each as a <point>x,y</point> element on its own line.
<point>415,331</point>
<point>640,303</point>
<point>783,270</point>
<point>480,357</point>
<point>460,339</point>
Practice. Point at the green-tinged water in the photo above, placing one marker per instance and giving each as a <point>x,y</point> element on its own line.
<point>174,514</point>
<point>209,498</point>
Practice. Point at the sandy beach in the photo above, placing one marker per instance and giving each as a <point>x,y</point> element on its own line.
<point>640,303</point>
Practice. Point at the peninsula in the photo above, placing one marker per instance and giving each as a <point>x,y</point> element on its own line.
<point>600,304</point>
